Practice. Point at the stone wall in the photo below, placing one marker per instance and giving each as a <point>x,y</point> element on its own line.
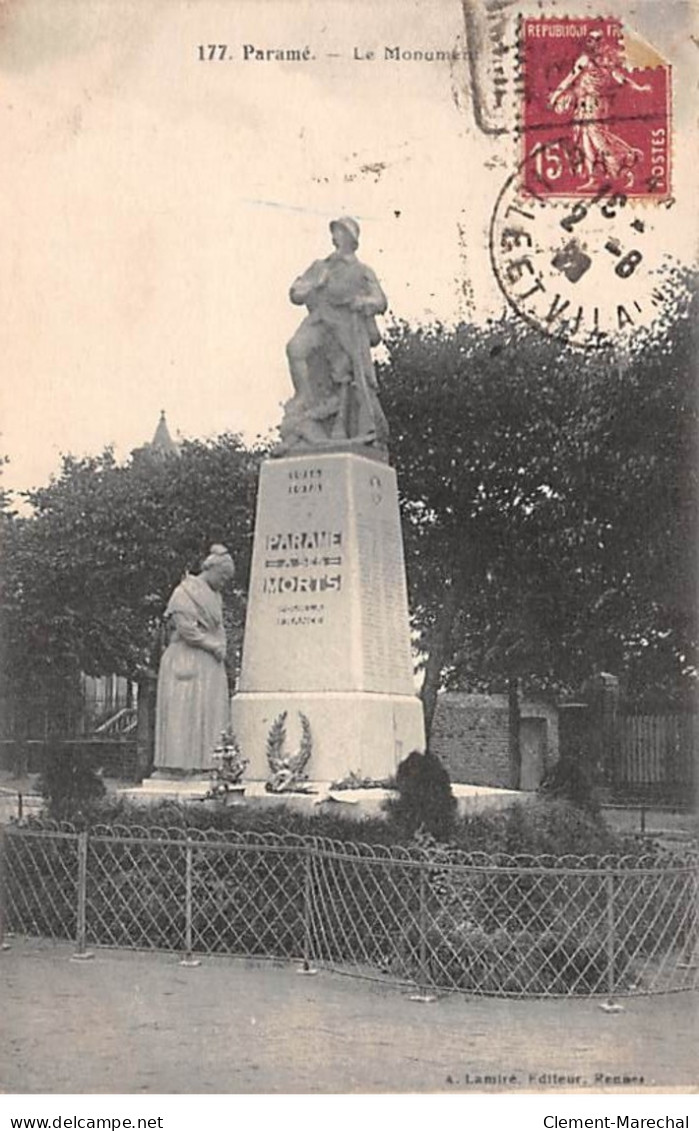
<point>470,736</point>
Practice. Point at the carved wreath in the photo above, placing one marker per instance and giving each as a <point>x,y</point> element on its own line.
<point>287,772</point>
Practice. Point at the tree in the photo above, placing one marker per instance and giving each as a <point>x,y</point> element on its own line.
<point>88,574</point>
<point>546,498</point>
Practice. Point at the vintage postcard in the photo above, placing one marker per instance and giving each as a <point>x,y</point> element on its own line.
<point>170,167</point>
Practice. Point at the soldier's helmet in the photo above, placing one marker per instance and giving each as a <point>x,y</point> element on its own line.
<point>349,225</point>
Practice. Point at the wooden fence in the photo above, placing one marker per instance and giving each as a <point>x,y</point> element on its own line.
<point>658,751</point>
<point>53,717</point>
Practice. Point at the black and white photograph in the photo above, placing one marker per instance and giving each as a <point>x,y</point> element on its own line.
<point>348,520</point>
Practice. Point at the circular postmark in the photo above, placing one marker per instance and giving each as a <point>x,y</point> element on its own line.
<point>592,270</point>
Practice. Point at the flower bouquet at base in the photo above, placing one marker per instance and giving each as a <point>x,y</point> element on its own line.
<point>227,774</point>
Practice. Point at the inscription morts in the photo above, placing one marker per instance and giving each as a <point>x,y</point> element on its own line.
<point>301,584</point>
<point>293,554</point>
<point>328,606</point>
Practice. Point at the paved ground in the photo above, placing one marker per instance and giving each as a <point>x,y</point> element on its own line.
<point>140,1023</point>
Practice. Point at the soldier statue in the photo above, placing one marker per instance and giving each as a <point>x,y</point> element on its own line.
<point>335,391</point>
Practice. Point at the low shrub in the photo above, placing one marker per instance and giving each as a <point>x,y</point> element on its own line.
<point>279,819</point>
<point>70,785</point>
<point>570,781</point>
<point>513,962</point>
<point>424,798</point>
<point>543,827</point>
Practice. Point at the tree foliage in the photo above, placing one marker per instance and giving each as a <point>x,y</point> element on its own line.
<point>70,785</point>
<point>548,499</point>
<point>88,573</point>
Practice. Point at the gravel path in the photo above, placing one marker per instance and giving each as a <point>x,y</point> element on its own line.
<point>127,1022</point>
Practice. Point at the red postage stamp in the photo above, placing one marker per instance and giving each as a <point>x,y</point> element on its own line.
<point>597,111</point>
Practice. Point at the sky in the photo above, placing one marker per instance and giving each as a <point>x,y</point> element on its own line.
<point>156,207</point>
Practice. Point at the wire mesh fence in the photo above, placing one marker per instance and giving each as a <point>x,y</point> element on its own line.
<point>434,918</point>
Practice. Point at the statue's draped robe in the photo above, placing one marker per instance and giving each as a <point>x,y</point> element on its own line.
<point>193,704</point>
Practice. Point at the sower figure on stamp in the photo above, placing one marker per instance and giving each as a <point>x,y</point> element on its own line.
<point>330,354</point>
<point>588,91</point>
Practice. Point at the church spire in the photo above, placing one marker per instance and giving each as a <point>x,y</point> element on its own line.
<point>162,441</point>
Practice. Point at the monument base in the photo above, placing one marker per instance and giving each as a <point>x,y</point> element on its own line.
<point>357,732</point>
<point>180,791</point>
<point>363,804</point>
<point>176,774</point>
<point>319,798</point>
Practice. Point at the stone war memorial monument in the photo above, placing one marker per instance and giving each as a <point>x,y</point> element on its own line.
<point>326,654</point>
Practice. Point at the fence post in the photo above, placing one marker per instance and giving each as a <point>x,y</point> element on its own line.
<point>690,951</point>
<point>610,1006</point>
<point>81,928</point>
<point>3,888</point>
<point>307,966</point>
<point>188,959</point>
<point>423,994</point>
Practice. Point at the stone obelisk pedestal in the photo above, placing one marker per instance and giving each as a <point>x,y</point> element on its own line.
<point>327,630</point>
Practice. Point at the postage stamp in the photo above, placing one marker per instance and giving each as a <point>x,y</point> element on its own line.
<point>596,110</point>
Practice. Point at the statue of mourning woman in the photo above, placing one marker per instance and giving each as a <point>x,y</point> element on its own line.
<point>192,707</point>
<point>335,400</point>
